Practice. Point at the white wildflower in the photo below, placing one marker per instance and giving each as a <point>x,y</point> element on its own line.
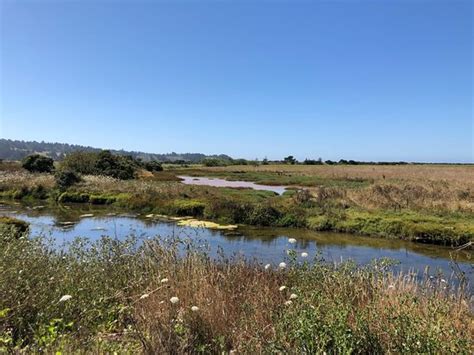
<point>292,240</point>
<point>282,265</point>
<point>65,298</point>
<point>282,288</point>
<point>268,266</point>
<point>293,296</point>
<point>165,280</point>
<point>304,255</point>
<point>174,300</point>
<point>391,287</point>
<point>194,308</point>
<point>145,295</point>
<point>287,303</point>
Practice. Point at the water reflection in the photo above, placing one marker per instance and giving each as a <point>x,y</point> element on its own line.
<point>265,245</point>
<point>216,182</point>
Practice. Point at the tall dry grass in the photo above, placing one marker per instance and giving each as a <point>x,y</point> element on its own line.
<point>462,174</point>
<point>121,300</point>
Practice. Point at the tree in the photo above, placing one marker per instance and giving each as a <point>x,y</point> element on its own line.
<point>37,163</point>
<point>81,162</point>
<point>290,160</point>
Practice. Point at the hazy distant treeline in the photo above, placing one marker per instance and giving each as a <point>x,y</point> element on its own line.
<point>17,150</point>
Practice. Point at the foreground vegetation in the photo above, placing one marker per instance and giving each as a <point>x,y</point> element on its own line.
<point>433,204</point>
<point>170,297</point>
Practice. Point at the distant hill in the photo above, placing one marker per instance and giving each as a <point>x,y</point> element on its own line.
<point>17,150</point>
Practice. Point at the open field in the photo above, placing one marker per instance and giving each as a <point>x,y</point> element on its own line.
<point>424,203</point>
<point>461,174</point>
<point>117,296</point>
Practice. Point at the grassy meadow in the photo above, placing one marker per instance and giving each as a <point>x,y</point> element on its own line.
<point>118,296</point>
<point>425,203</point>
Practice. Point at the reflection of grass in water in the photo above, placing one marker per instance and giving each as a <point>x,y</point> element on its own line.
<point>72,213</point>
<point>115,296</point>
<point>344,239</point>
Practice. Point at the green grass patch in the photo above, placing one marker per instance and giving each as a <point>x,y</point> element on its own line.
<point>404,225</point>
<point>188,208</point>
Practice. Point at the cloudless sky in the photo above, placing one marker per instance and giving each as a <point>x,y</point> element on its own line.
<point>366,80</point>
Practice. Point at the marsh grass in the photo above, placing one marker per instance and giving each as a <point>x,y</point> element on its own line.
<point>119,301</point>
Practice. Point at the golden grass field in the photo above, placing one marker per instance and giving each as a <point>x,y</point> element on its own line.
<point>459,174</point>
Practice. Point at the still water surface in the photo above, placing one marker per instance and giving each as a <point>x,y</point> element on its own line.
<point>196,180</point>
<point>265,245</point>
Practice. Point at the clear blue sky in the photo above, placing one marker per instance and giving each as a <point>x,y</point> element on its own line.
<point>367,80</point>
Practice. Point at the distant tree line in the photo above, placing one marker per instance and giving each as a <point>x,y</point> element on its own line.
<point>18,150</point>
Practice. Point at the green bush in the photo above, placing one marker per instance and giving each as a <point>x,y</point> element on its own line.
<point>118,167</point>
<point>102,199</point>
<point>188,208</point>
<point>80,162</point>
<point>65,179</point>
<point>214,162</point>
<point>292,220</point>
<point>73,197</point>
<point>263,215</point>
<point>227,210</point>
<point>152,166</point>
<point>37,163</point>
<point>102,163</point>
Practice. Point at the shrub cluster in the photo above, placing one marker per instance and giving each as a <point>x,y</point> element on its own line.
<point>105,163</point>
<point>37,163</point>
<point>66,178</point>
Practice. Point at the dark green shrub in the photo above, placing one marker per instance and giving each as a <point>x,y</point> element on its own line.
<point>19,194</point>
<point>152,166</point>
<point>231,211</point>
<point>292,220</point>
<point>115,166</point>
<point>39,192</point>
<point>73,197</point>
<point>37,163</point>
<point>65,179</point>
<point>263,215</point>
<point>101,199</point>
<point>80,162</point>
<point>214,162</point>
<point>102,163</point>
